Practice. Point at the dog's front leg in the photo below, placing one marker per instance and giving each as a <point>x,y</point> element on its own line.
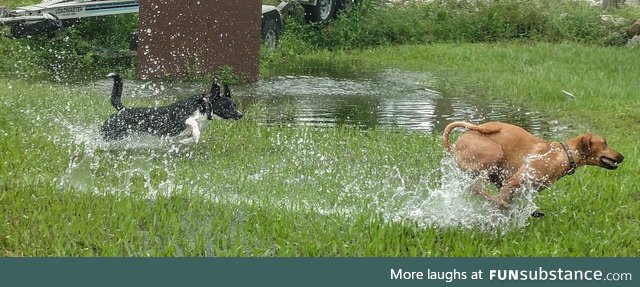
<point>506,193</point>
<point>192,124</point>
<point>502,199</point>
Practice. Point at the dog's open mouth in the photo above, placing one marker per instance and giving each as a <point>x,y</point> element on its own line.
<point>609,163</point>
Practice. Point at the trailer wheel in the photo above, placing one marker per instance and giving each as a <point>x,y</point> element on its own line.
<point>270,34</point>
<point>321,12</point>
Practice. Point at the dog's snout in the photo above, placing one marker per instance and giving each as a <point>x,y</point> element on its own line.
<point>620,158</point>
<point>238,116</point>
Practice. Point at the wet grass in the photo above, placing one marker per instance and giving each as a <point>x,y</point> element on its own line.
<point>254,190</point>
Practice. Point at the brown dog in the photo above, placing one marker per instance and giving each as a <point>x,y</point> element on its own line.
<point>509,157</point>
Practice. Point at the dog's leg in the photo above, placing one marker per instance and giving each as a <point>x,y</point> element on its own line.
<point>192,124</point>
<point>503,199</point>
<point>506,192</point>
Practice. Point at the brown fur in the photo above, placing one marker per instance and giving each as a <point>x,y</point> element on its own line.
<point>509,156</point>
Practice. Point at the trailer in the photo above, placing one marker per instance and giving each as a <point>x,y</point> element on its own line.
<point>51,15</point>
<point>57,14</point>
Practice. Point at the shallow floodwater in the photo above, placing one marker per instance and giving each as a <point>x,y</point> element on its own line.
<point>390,99</point>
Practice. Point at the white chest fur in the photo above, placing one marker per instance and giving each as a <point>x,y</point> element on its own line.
<point>193,125</point>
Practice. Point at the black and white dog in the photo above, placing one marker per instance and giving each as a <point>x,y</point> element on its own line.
<point>179,118</point>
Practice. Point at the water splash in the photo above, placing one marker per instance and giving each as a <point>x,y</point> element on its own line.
<point>444,200</point>
<point>135,163</point>
<point>149,167</point>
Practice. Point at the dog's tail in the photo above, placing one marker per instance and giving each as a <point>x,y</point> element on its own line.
<point>116,92</point>
<point>450,127</point>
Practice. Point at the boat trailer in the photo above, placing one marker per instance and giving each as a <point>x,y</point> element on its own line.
<point>51,15</point>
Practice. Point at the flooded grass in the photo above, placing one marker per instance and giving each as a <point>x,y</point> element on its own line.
<point>249,189</point>
<point>388,99</point>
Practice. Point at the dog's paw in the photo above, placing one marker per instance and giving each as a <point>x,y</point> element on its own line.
<point>537,214</point>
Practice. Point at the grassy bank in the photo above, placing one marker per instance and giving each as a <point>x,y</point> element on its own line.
<point>254,190</point>
<point>528,73</point>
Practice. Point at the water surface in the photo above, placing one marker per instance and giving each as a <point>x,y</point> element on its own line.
<point>389,99</point>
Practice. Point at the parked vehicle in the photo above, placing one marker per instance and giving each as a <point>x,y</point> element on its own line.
<point>51,15</point>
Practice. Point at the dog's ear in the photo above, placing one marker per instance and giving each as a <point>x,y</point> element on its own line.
<point>227,91</point>
<point>215,90</point>
<point>584,145</point>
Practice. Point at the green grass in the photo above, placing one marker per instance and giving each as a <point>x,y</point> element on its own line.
<point>528,73</point>
<point>418,22</point>
<point>254,190</point>
<point>19,3</point>
<point>99,45</point>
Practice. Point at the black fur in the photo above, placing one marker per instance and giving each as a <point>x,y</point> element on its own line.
<point>167,120</point>
<point>116,91</point>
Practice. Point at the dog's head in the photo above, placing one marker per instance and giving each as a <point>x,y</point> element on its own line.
<point>596,151</point>
<point>222,105</point>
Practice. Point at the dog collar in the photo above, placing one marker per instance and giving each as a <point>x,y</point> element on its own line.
<point>572,163</point>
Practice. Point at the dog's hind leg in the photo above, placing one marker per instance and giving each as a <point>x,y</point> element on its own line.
<point>192,125</point>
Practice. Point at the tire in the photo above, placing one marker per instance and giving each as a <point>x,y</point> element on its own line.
<point>321,13</point>
<point>270,34</point>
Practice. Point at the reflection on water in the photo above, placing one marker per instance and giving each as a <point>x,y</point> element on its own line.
<point>390,99</point>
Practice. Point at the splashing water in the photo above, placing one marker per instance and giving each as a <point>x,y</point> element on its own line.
<point>140,160</point>
<point>150,167</point>
<point>441,198</point>
<point>444,199</point>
